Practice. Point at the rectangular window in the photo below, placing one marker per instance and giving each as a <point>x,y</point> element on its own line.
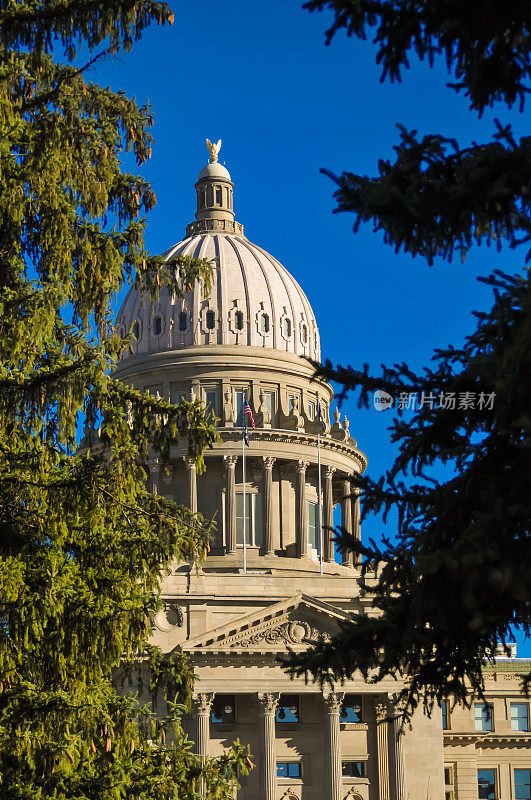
<point>351,709</point>
<point>239,408</point>
<point>449,783</point>
<point>288,709</point>
<point>178,394</point>
<point>253,518</point>
<point>483,716</point>
<point>211,401</point>
<point>353,769</point>
<point>311,410</point>
<point>313,526</point>
<point>487,784</point>
<point>269,400</point>
<point>223,709</point>
<point>519,717</point>
<point>289,769</point>
<point>291,402</point>
<point>218,197</point>
<point>445,716</point>
<point>522,784</point>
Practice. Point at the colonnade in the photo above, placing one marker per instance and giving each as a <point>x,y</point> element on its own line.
<point>349,507</point>
<point>391,766</point>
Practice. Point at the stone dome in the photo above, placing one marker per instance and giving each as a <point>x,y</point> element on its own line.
<point>254,300</point>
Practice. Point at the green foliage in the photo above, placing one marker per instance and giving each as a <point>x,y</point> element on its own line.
<point>455,581</point>
<point>436,198</point>
<point>83,545</point>
<point>457,578</point>
<point>486,43</point>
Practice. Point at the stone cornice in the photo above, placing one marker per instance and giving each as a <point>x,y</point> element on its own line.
<point>277,436</point>
<point>486,739</point>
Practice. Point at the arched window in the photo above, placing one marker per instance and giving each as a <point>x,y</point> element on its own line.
<point>136,330</point>
<point>157,326</point>
<point>210,320</point>
<point>238,319</point>
<point>218,196</point>
<point>183,321</point>
<point>264,323</point>
<point>304,334</point>
<point>286,327</point>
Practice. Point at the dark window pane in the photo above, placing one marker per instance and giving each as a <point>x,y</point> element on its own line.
<point>183,321</point>
<point>444,709</point>
<point>223,709</point>
<point>239,320</point>
<point>351,709</point>
<point>288,709</point>
<point>353,769</point>
<point>210,320</point>
<point>486,784</point>
<point>522,784</point>
<point>519,717</point>
<point>136,330</point>
<point>157,326</point>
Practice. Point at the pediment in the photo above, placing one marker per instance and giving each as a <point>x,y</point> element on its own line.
<point>296,623</point>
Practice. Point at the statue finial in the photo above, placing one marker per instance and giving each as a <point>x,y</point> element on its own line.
<point>213,149</point>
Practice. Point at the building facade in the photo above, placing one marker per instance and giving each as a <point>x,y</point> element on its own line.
<point>251,338</point>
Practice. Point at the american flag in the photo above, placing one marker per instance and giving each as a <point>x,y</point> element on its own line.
<point>247,410</point>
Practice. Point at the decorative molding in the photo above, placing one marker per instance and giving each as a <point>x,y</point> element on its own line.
<point>230,461</point>
<point>290,794</point>
<point>268,462</point>
<point>170,616</point>
<point>267,702</point>
<point>353,794</point>
<point>332,702</point>
<point>202,703</point>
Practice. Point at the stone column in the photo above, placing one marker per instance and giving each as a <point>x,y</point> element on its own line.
<point>356,528</point>
<point>201,704</point>
<point>346,517</point>
<point>230,466</point>
<point>398,762</point>
<point>328,516</point>
<point>268,504</point>
<point>192,483</point>
<point>267,702</point>
<point>332,703</point>
<point>382,726</point>
<point>302,511</point>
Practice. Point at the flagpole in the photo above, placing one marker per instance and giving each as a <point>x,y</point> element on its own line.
<point>243,476</point>
<point>319,504</point>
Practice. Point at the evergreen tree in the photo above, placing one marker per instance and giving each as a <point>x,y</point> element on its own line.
<point>83,544</point>
<point>457,577</point>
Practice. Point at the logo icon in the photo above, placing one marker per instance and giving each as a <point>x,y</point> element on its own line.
<point>382,400</point>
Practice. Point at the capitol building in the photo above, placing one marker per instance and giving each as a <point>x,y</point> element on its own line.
<point>251,338</point>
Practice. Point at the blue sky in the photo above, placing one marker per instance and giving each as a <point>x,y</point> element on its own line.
<point>259,77</point>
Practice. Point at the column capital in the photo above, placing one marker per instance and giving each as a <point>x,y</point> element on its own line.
<point>302,465</point>
<point>333,701</point>
<point>190,462</point>
<point>230,461</point>
<point>330,472</point>
<point>268,462</point>
<point>381,708</point>
<point>202,702</point>
<point>267,702</point>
